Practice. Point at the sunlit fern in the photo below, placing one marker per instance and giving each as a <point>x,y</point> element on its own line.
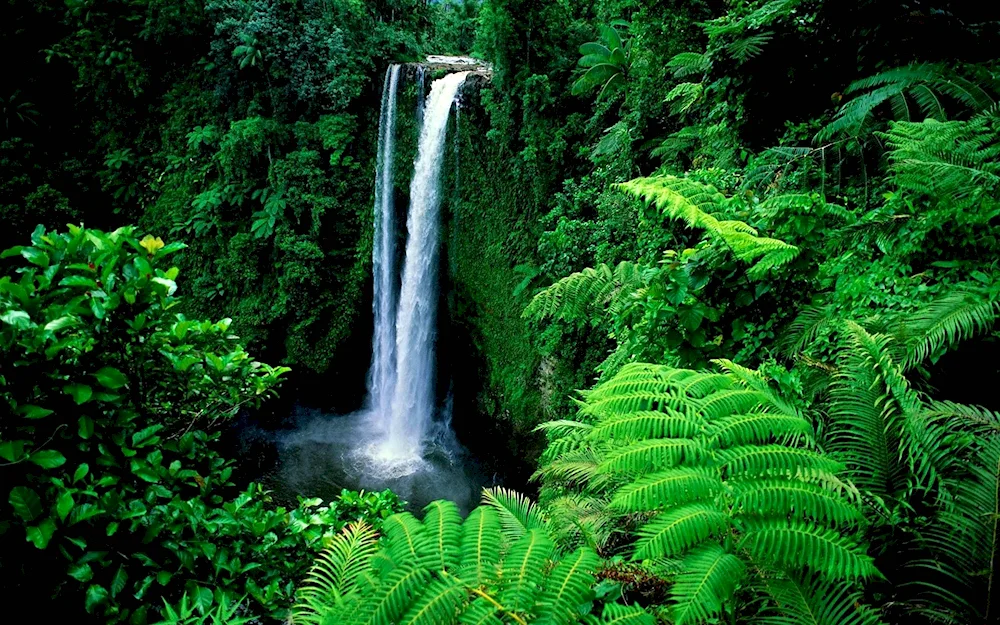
<point>724,478</point>
<point>445,570</point>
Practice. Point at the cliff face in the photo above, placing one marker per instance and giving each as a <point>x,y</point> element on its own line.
<point>484,344</point>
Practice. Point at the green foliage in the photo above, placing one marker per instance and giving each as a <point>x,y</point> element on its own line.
<point>721,475</point>
<point>925,86</point>
<point>607,61</point>
<point>444,570</point>
<point>112,403</point>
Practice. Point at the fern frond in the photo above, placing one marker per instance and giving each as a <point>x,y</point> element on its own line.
<point>774,460</point>
<point>759,428</point>
<point>677,530</point>
<point>393,596</point>
<point>813,600</point>
<point>518,514</point>
<point>694,203</point>
<point>647,424</point>
<point>438,604</point>
<point>581,296</point>
<point>443,523</point>
<point>779,498</point>
<point>480,545</point>
<point>797,544</point>
<point>648,455</point>
<point>710,576</point>
<point>944,323</point>
<point>335,571</point>
<point>672,487</point>
<point>581,519</point>
<point>523,568</point>
<point>806,327</point>
<point>615,614</point>
<point>567,587</point>
<point>406,534</point>
<point>689,63</point>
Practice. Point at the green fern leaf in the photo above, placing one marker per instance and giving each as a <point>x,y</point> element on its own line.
<point>614,614</point>
<point>796,544</point>
<point>481,545</point>
<point>668,488</point>
<point>710,576</point>
<point>523,569</point>
<point>518,514</point>
<point>438,604</point>
<point>443,524</point>
<point>679,529</point>
<point>567,587</point>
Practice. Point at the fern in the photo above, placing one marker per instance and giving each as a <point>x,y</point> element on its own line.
<point>689,64</point>
<point>955,163</point>
<point>582,296</point>
<point>925,85</point>
<point>694,203</point>
<point>518,514</point>
<point>442,570</point>
<point>720,474</point>
<point>945,322</point>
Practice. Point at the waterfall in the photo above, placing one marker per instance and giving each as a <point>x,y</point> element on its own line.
<point>412,407</point>
<point>381,375</point>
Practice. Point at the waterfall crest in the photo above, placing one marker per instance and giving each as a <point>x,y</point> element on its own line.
<point>381,375</point>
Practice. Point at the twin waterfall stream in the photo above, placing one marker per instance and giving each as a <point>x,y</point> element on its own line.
<point>401,379</point>
<point>401,438</point>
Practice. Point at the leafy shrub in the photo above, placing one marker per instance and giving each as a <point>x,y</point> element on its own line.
<point>110,405</point>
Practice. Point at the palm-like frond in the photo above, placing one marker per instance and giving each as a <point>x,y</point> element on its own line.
<point>441,571</point>
<point>584,295</point>
<point>718,472</point>
<point>693,203</point>
<point>945,322</point>
<point>796,600</point>
<point>518,514</point>
<point>336,570</point>
<point>956,163</point>
<point>923,84</point>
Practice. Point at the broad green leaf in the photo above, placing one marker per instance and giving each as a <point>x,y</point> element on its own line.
<point>144,436</point>
<point>35,256</point>
<point>78,281</point>
<point>81,393</point>
<point>31,411</point>
<point>81,573</point>
<point>17,318</point>
<point>81,472</point>
<point>26,503</point>
<point>96,595</point>
<point>64,504</point>
<point>41,534</point>
<point>82,512</point>
<point>61,323</point>
<point>48,459</point>
<point>119,580</point>
<point>85,427</point>
<point>112,378</point>
<point>11,451</point>
<point>170,285</point>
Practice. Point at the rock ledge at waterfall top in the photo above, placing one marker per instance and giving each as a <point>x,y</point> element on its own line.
<point>457,63</point>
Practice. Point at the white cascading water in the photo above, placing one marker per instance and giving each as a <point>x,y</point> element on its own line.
<point>382,374</point>
<point>412,408</point>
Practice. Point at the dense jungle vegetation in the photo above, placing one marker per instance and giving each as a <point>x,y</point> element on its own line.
<point>722,273</point>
